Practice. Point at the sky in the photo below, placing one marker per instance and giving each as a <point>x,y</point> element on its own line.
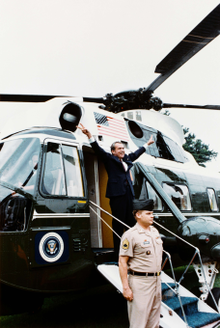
<point>95,47</point>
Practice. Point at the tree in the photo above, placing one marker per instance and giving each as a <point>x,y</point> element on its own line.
<point>197,148</point>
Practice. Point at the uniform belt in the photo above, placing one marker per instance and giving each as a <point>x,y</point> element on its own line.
<point>146,274</point>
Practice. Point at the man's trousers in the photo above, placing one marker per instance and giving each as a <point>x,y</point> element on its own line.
<point>144,310</point>
<point>122,207</point>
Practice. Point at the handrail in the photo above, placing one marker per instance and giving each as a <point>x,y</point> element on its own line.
<point>176,284</point>
<point>99,216</point>
<point>100,208</point>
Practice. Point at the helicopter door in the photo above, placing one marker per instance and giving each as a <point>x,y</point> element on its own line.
<point>101,235</point>
<point>92,177</point>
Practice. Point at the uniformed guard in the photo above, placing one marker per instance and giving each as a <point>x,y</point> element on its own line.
<point>140,259</point>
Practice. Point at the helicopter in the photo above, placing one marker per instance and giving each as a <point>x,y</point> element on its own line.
<point>51,241</point>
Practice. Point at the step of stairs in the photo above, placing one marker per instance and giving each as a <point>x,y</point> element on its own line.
<point>194,317</point>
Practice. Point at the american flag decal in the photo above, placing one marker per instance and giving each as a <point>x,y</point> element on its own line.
<point>111,127</point>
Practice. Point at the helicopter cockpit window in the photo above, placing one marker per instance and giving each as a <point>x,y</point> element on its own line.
<point>18,170</point>
<point>18,163</point>
<point>212,199</point>
<point>62,174</point>
<point>179,195</point>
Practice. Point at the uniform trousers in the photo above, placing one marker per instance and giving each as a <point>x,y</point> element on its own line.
<point>122,207</point>
<point>144,310</point>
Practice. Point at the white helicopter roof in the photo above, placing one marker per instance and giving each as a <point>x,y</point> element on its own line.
<point>47,114</point>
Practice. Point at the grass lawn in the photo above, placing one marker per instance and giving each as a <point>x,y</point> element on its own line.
<point>99,307</point>
<point>95,308</point>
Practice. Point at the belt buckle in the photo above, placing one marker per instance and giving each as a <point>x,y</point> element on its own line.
<point>157,274</point>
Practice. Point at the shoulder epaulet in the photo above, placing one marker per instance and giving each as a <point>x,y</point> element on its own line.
<point>129,230</point>
<point>133,228</point>
<point>155,229</point>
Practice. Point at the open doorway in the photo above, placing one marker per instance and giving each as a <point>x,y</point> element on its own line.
<point>101,235</point>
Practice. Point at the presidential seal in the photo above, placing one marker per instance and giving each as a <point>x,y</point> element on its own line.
<point>51,247</point>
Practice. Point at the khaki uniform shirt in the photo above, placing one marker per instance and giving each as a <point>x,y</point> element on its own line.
<point>144,248</point>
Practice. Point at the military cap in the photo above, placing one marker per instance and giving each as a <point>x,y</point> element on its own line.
<point>146,204</point>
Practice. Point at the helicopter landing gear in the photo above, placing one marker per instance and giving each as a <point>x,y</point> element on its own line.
<point>207,275</point>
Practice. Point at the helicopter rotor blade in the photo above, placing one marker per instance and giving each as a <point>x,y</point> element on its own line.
<point>206,31</point>
<point>41,98</point>
<point>99,100</point>
<point>26,98</point>
<point>213,107</point>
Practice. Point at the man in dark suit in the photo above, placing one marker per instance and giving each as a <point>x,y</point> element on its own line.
<point>119,186</point>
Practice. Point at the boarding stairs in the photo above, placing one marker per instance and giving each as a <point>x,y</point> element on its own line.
<point>179,307</point>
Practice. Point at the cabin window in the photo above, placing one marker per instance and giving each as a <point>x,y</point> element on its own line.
<point>62,174</point>
<point>179,194</point>
<point>153,195</point>
<point>143,190</point>
<point>138,115</point>
<point>130,115</point>
<point>53,177</point>
<point>212,199</point>
<point>73,172</point>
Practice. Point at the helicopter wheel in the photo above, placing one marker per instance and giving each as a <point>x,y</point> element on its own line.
<point>216,293</point>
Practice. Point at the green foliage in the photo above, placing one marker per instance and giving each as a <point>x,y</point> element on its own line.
<point>197,148</point>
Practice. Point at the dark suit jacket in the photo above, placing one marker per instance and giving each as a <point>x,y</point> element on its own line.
<point>118,178</point>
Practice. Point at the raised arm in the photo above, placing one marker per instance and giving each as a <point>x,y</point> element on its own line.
<point>95,146</point>
<point>84,130</point>
<point>150,141</point>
